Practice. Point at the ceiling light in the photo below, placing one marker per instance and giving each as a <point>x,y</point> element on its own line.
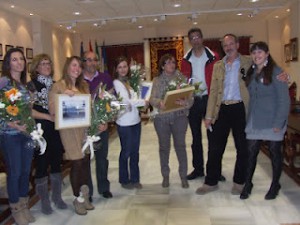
<point>155,20</point>
<point>239,14</point>
<point>276,17</point>
<point>12,6</point>
<point>77,13</point>
<point>288,10</point>
<point>177,5</point>
<point>69,27</point>
<point>195,22</point>
<point>140,26</point>
<point>254,0</point>
<point>95,24</point>
<point>30,14</point>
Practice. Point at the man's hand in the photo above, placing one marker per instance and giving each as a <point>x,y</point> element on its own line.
<point>207,123</point>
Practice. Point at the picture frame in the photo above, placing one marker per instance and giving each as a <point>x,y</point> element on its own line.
<point>1,63</point>
<point>172,96</point>
<point>1,50</point>
<point>29,53</point>
<point>287,52</point>
<point>7,47</point>
<point>294,49</point>
<point>72,112</point>
<point>146,89</point>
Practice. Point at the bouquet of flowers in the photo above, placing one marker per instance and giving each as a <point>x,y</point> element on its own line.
<point>138,74</point>
<point>105,108</point>
<point>15,108</point>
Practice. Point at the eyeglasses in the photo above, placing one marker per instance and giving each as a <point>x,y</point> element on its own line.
<point>46,64</point>
<point>90,60</point>
<point>194,38</point>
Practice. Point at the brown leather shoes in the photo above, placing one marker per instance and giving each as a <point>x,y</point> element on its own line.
<point>206,189</point>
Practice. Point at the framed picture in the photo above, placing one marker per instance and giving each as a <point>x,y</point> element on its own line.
<point>7,47</point>
<point>294,49</point>
<point>287,53</point>
<point>20,47</point>
<point>71,112</point>
<point>1,62</point>
<point>172,96</point>
<point>29,53</point>
<point>1,50</point>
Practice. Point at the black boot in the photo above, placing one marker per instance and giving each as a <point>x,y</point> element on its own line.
<point>277,160</point>
<point>253,150</point>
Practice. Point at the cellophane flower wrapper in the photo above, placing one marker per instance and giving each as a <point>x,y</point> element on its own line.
<point>138,74</point>
<point>13,107</point>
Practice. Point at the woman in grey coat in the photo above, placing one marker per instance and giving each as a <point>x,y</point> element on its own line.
<point>170,123</point>
<point>267,116</point>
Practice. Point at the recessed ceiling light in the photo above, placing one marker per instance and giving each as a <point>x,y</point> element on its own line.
<point>177,5</point>
<point>95,24</point>
<point>77,13</point>
<point>239,14</point>
<point>12,6</point>
<point>140,27</point>
<point>254,0</point>
<point>288,10</point>
<point>155,20</point>
<point>31,14</point>
<point>276,17</point>
<point>195,22</point>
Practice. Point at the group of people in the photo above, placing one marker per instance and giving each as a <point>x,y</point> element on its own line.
<point>247,95</point>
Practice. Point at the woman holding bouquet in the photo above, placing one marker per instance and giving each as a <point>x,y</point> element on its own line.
<point>129,127</point>
<point>15,144</point>
<point>41,73</point>
<point>170,123</point>
<point>72,83</point>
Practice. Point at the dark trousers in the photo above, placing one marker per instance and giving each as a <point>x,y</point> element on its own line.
<point>129,156</point>
<point>101,152</point>
<point>196,115</point>
<point>231,117</point>
<point>53,154</point>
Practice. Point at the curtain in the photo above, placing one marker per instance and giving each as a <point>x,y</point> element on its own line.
<point>130,51</point>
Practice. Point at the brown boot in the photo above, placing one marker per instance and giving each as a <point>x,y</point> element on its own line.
<point>27,213</point>
<point>84,189</point>
<point>17,213</point>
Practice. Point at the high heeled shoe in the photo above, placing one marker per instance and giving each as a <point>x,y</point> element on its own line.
<point>246,191</point>
<point>273,192</point>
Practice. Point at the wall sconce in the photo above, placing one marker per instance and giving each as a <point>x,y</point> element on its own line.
<point>162,17</point>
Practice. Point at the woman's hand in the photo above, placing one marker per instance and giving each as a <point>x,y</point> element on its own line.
<point>17,126</point>
<point>181,102</point>
<point>69,92</point>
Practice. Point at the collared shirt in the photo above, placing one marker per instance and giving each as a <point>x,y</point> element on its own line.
<point>97,79</point>
<point>198,70</point>
<point>231,81</point>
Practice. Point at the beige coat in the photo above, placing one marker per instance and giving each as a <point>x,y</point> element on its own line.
<point>217,87</point>
<point>71,138</point>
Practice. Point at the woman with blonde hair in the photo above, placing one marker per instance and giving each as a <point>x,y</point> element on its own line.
<point>41,73</point>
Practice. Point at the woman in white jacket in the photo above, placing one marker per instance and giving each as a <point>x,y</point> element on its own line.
<point>129,127</point>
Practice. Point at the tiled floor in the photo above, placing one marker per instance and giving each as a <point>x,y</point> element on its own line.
<point>154,205</point>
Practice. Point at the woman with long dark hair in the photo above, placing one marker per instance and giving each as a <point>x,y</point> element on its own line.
<point>14,142</point>
<point>267,115</point>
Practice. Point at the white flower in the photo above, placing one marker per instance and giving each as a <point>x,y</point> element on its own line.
<point>2,105</point>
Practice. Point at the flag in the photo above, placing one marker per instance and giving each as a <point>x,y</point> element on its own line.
<point>90,46</point>
<point>81,49</point>
<point>104,58</point>
<point>96,50</point>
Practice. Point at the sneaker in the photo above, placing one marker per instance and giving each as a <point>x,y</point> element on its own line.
<point>206,189</point>
<point>237,189</point>
<point>128,186</point>
<point>193,175</point>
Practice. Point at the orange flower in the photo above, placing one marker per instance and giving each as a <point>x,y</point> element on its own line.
<point>12,110</point>
<point>12,91</point>
<point>108,109</point>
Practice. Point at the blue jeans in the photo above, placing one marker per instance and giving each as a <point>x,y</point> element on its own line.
<point>130,143</point>
<point>18,157</point>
